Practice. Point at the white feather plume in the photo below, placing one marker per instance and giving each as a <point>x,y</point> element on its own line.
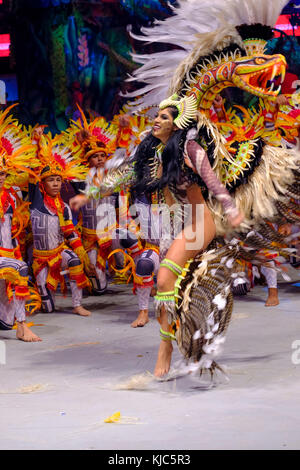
<point>191,18</point>
<point>265,12</point>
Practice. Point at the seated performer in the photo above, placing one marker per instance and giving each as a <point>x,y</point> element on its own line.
<point>144,256</point>
<point>57,246</point>
<point>98,142</point>
<point>15,154</point>
<point>97,245</point>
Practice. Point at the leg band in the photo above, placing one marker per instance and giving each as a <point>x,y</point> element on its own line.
<point>166,300</point>
<point>164,296</point>
<point>166,336</point>
<point>169,264</point>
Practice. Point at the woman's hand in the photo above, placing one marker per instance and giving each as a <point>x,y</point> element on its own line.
<point>124,120</point>
<point>78,201</point>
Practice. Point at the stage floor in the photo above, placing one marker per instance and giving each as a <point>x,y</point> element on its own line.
<point>57,393</point>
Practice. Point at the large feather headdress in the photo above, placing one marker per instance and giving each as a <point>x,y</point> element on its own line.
<point>17,154</point>
<point>89,137</point>
<point>56,159</point>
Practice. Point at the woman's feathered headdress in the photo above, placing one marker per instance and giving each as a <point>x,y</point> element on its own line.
<point>186,107</point>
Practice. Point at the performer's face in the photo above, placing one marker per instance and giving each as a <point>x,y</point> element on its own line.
<point>163,125</point>
<point>52,185</point>
<point>2,179</point>
<point>97,160</point>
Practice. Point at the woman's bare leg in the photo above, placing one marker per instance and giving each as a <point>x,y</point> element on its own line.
<point>179,254</point>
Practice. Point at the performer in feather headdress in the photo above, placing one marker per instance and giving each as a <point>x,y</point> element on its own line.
<point>107,142</point>
<point>57,245</point>
<point>17,155</point>
<point>159,166</point>
<point>225,48</point>
<point>94,143</point>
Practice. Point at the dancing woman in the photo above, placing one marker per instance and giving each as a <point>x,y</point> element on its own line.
<point>172,167</point>
<point>177,152</point>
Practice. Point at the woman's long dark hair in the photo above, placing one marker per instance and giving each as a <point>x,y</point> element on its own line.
<point>172,160</point>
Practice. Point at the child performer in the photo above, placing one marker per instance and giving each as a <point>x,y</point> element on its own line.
<point>141,255</point>
<point>57,246</point>
<point>98,142</point>
<point>95,150</point>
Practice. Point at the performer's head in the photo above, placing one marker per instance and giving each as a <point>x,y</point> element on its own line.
<point>164,126</point>
<point>3,175</point>
<point>174,119</point>
<point>52,185</point>
<point>94,151</point>
<point>97,159</point>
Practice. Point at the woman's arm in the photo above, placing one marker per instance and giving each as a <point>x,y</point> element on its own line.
<point>115,180</point>
<point>196,158</point>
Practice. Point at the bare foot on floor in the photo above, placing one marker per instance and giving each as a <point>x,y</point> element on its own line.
<point>141,320</point>
<point>272,299</point>
<point>82,311</point>
<point>25,334</point>
<point>164,357</point>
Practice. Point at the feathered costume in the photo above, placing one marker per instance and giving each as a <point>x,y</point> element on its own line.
<point>117,140</point>
<point>57,246</point>
<point>259,176</point>
<point>17,155</point>
<point>87,139</point>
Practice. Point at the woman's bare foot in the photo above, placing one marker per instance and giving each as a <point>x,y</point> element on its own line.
<point>272,299</point>
<point>141,320</point>
<point>82,311</point>
<point>25,334</point>
<point>164,357</point>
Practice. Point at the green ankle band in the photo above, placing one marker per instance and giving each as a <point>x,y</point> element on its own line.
<point>166,336</point>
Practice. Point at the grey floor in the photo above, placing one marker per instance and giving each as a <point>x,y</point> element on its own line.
<point>57,393</point>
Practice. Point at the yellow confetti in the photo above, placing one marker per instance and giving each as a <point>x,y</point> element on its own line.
<point>32,388</point>
<point>115,418</point>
